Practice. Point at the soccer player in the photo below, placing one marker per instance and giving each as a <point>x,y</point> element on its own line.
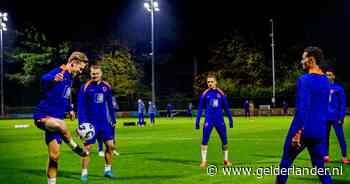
<point>285,108</point>
<point>151,111</point>
<point>48,115</point>
<point>141,111</point>
<point>213,99</point>
<point>169,110</point>
<point>95,106</point>
<point>246,108</point>
<point>308,128</point>
<point>251,108</point>
<point>189,110</point>
<point>336,114</point>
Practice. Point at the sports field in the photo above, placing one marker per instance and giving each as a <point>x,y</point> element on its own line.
<point>166,153</point>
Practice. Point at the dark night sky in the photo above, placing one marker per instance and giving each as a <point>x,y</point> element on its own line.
<point>184,24</point>
<point>185,28</point>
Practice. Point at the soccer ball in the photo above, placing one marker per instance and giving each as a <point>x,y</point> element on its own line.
<point>86,131</point>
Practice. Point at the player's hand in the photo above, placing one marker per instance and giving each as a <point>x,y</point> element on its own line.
<point>340,122</point>
<point>296,140</point>
<point>72,115</point>
<point>231,125</point>
<point>59,77</point>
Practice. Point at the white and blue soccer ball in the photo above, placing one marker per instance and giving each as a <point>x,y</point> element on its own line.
<point>86,131</point>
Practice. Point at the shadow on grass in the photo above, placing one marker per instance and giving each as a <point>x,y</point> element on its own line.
<point>121,153</point>
<point>178,161</point>
<point>335,181</point>
<point>92,177</point>
<point>150,177</point>
<point>137,153</point>
<point>278,157</point>
<point>64,174</point>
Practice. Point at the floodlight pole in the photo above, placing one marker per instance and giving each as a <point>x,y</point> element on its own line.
<point>153,53</point>
<point>273,66</point>
<point>2,74</point>
<point>3,19</point>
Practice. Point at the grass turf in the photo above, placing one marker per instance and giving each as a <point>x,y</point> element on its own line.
<point>165,153</point>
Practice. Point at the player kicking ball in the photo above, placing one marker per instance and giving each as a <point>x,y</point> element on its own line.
<point>213,98</point>
<point>49,114</point>
<point>95,106</point>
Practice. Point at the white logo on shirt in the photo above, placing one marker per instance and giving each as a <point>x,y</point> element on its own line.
<point>99,98</point>
<point>67,92</point>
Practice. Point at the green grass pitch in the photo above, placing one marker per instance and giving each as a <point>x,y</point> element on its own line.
<point>166,153</point>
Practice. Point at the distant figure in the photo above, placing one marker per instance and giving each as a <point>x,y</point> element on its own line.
<point>169,110</point>
<point>335,116</point>
<point>141,110</point>
<point>251,108</point>
<point>285,108</point>
<point>115,103</point>
<point>246,108</point>
<point>189,110</point>
<point>152,110</point>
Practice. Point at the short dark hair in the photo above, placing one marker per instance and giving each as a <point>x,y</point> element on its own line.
<point>315,52</point>
<point>330,70</point>
<point>211,75</point>
<point>95,67</point>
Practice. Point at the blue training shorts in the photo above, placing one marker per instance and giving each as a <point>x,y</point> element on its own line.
<point>220,128</point>
<point>104,133</point>
<point>49,136</point>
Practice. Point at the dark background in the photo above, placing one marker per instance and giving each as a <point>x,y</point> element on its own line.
<point>185,29</point>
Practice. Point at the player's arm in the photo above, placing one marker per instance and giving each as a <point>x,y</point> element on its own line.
<point>303,102</point>
<point>199,113</point>
<point>54,75</point>
<point>302,108</point>
<point>50,76</point>
<point>70,109</point>
<point>81,105</point>
<point>228,111</point>
<point>47,80</point>
<point>342,105</point>
<point>110,106</point>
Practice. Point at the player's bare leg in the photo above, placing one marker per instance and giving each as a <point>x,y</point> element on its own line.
<point>108,159</point>
<point>115,151</point>
<point>58,125</point>
<point>85,164</point>
<point>225,151</point>
<point>52,165</point>
<point>204,162</point>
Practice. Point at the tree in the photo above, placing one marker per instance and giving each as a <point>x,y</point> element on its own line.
<point>35,56</point>
<point>238,67</point>
<point>243,71</point>
<point>120,70</point>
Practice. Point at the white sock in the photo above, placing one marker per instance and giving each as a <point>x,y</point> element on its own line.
<point>108,167</point>
<point>51,180</point>
<point>204,156</point>
<point>72,144</point>
<point>84,172</point>
<point>226,155</point>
